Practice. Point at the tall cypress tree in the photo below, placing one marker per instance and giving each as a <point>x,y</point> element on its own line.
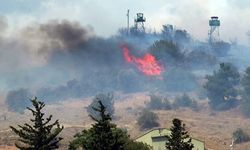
<point>179,138</point>
<point>40,135</point>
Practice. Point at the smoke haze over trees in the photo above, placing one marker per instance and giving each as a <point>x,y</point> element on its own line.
<point>61,60</point>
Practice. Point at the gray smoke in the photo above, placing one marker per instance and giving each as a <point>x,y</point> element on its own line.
<point>3,25</point>
<point>26,52</point>
<point>59,60</point>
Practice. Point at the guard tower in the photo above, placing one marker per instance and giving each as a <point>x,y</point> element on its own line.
<point>139,22</point>
<point>213,33</point>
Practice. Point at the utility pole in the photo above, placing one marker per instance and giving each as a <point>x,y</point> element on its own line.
<point>128,30</point>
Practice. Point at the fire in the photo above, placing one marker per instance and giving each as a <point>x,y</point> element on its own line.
<point>147,64</point>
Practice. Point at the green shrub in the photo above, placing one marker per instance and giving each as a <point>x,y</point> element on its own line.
<point>133,145</point>
<point>155,102</point>
<point>185,101</point>
<point>147,119</point>
<point>240,136</point>
<point>221,87</point>
<point>166,104</point>
<point>167,52</point>
<point>158,103</point>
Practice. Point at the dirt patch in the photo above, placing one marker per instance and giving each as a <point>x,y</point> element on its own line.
<point>215,128</point>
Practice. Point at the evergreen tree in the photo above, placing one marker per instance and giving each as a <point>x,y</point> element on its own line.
<point>222,87</point>
<point>104,135</point>
<point>167,52</point>
<point>107,100</point>
<point>179,138</point>
<point>40,135</point>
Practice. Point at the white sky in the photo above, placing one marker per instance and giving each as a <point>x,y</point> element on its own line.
<point>106,16</point>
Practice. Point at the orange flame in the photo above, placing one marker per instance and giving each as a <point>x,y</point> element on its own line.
<point>146,64</point>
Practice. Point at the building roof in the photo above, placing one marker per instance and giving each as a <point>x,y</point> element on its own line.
<point>156,139</point>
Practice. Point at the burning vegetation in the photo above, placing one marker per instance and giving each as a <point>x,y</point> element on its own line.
<point>75,63</point>
<point>69,61</point>
<point>147,64</point>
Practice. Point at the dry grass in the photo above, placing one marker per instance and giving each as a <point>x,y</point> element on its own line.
<point>215,128</point>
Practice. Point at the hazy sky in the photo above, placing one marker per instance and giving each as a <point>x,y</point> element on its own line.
<point>106,16</point>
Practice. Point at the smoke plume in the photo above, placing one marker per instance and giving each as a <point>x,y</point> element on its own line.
<point>61,60</point>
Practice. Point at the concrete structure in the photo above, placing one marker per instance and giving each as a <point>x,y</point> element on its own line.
<point>157,140</point>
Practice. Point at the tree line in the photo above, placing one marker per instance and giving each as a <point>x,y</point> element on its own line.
<point>41,134</point>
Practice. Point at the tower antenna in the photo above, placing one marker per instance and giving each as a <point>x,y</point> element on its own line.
<point>128,29</point>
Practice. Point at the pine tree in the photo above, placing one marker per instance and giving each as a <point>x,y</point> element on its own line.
<point>104,135</point>
<point>222,87</point>
<point>40,135</point>
<point>179,138</point>
<point>107,100</point>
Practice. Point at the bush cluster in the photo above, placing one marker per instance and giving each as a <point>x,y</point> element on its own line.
<point>240,136</point>
<point>147,119</point>
<point>158,103</point>
<point>185,101</point>
<point>162,103</point>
